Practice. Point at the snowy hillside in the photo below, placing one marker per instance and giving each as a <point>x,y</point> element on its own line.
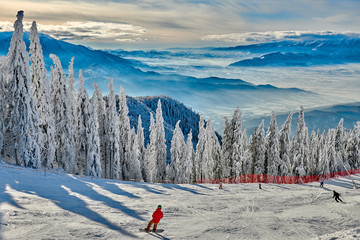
<point>62,206</point>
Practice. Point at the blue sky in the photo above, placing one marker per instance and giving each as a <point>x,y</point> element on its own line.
<point>141,24</point>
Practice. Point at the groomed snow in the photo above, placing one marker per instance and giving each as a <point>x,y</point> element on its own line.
<point>62,206</point>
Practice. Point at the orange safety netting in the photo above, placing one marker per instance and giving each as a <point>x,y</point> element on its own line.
<point>255,178</point>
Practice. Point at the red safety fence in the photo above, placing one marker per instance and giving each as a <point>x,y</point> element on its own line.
<point>255,178</point>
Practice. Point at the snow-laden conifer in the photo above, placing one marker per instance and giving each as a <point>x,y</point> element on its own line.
<point>71,94</point>
<point>41,88</point>
<point>82,112</point>
<point>340,144</point>
<point>151,151</point>
<point>124,130</point>
<point>135,155</point>
<point>258,149</point>
<point>211,162</point>
<point>23,135</point>
<point>285,146</point>
<point>64,128</point>
<point>237,145</point>
<point>176,154</point>
<point>112,163</point>
<point>188,161</point>
<point>314,154</point>
<point>199,155</point>
<point>226,150</point>
<point>298,152</point>
<point>273,160</point>
<point>140,138</point>
<point>100,107</point>
<point>161,146</point>
<point>93,164</point>
<point>353,147</point>
<point>2,112</point>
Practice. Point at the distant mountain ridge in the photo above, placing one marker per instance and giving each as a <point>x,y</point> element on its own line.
<point>300,53</point>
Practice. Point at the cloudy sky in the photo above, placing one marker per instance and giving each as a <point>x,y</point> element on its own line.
<point>141,24</point>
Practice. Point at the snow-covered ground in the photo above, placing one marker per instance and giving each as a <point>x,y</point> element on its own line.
<point>61,206</point>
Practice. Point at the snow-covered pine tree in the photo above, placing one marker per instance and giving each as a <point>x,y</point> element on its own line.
<point>124,130</point>
<point>211,162</point>
<point>71,94</point>
<point>140,138</point>
<point>226,150</point>
<point>334,162</point>
<point>187,167</point>
<point>340,144</point>
<point>272,148</point>
<point>151,152</point>
<point>64,128</point>
<point>259,149</point>
<point>237,145</point>
<point>285,146</point>
<point>100,106</point>
<point>112,164</point>
<point>134,164</point>
<point>313,154</point>
<point>23,133</point>
<point>93,164</point>
<point>177,154</point>
<point>82,112</point>
<point>161,146</point>
<point>353,147</point>
<point>199,155</point>
<point>298,152</point>
<point>41,87</point>
<point>324,166</point>
<point>2,111</point>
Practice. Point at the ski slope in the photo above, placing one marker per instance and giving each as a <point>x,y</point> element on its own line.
<point>62,206</point>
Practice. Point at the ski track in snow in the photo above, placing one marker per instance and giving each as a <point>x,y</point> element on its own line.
<point>63,206</point>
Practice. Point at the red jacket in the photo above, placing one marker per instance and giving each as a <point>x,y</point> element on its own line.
<point>157,215</point>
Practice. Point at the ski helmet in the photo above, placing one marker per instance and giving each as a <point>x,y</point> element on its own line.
<point>159,206</point>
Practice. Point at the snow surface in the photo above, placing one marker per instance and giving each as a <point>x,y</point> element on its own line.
<point>63,206</point>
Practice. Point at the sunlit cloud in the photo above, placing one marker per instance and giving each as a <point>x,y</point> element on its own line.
<point>258,37</point>
<point>87,31</point>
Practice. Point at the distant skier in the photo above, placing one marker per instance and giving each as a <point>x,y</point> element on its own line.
<point>157,215</point>
<point>220,185</point>
<point>260,185</point>
<point>322,184</point>
<point>337,196</point>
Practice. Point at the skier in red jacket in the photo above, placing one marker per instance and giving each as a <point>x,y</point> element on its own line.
<point>157,215</point>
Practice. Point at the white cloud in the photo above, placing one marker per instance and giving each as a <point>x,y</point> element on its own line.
<point>258,37</point>
<point>87,31</point>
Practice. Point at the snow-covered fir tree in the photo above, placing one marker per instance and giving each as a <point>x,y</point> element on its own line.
<point>161,146</point>
<point>177,154</point>
<point>211,162</point>
<point>237,153</point>
<point>353,147</point>
<point>340,145</point>
<point>135,155</point>
<point>300,147</point>
<point>2,111</point>
<point>313,154</point>
<point>284,147</point>
<point>140,138</point>
<point>93,158</point>
<point>100,107</point>
<point>124,141</point>
<point>112,148</point>
<point>199,155</point>
<point>41,89</point>
<point>151,152</point>
<point>23,134</point>
<point>82,112</point>
<point>186,174</point>
<point>71,94</point>
<point>323,157</point>
<point>273,160</point>
<point>64,128</point>
<point>258,150</point>
<point>226,150</point>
